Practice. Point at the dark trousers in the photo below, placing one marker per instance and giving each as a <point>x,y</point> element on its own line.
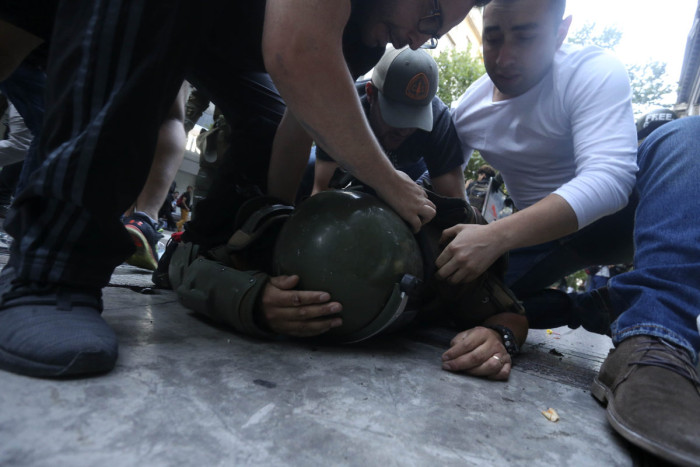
<point>606,241</point>
<point>532,270</point>
<point>115,67</point>
<point>166,213</point>
<point>253,108</point>
<point>112,70</point>
<point>9,176</point>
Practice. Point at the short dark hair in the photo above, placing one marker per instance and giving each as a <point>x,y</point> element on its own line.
<point>558,7</point>
<point>486,170</point>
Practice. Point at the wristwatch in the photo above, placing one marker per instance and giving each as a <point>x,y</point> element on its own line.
<point>508,338</point>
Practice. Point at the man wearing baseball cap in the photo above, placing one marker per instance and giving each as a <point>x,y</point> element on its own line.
<point>410,122</point>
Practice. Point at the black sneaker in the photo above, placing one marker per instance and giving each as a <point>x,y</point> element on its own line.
<point>145,237</point>
<point>551,308</point>
<point>55,332</point>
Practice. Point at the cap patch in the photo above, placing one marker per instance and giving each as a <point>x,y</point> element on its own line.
<point>418,88</point>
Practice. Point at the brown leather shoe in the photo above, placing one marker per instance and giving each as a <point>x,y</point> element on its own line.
<point>652,392</point>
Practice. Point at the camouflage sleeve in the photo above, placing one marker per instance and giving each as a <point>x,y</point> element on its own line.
<point>222,293</point>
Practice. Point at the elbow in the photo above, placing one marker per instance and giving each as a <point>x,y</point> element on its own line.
<point>284,60</point>
<point>273,58</point>
<point>282,68</point>
<point>622,190</point>
<point>294,58</point>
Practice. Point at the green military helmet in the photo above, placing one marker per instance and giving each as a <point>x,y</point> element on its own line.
<point>356,248</point>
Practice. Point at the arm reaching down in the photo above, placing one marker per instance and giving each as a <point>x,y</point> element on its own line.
<point>473,248</point>
<point>302,48</point>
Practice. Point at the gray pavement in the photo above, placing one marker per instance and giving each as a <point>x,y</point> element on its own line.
<point>186,392</point>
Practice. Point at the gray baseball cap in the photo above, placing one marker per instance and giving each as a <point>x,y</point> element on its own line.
<point>407,81</point>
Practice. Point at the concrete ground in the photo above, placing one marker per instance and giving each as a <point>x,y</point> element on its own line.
<point>186,392</point>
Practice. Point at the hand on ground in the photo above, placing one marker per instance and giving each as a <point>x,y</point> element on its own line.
<point>478,352</point>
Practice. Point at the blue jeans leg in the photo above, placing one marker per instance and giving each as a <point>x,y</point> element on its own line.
<point>661,296</point>
<point>533,269</point>
<point>606,241</point>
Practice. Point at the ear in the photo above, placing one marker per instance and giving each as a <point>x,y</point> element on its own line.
<point>563,30</point>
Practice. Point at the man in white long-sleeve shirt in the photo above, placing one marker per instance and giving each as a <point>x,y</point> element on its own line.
<point>557,122</point>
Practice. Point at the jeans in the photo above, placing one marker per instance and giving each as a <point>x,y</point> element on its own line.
<point>533,269</point>
<point>661,295</point>
<point>109,69</point>
<point>606,241</point>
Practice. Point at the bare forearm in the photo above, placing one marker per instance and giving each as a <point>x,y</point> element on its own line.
<point>345,134</point>
<point>290,154</point>
<point>450,184</point>
<point>549,219</point>
<point>323,172</point>
<point>302,48</point>
<point>168,156</point>
<point>316,85</point>
<point>169,153</point>
<point>473,248</point>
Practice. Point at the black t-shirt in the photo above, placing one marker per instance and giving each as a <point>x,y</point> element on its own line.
<point>437,151</point>
<point>231,25</point>
<point>233,79</point>
<point>187,200</point>
<point>244,29</point>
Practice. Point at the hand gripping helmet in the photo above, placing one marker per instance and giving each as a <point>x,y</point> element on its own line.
<point>356,248</point>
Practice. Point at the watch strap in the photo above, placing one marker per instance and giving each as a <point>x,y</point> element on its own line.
<point>508,338</point>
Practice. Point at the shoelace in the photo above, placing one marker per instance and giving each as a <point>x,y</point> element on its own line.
<point>673,358</point>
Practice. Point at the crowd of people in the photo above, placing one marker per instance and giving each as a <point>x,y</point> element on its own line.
<point>554,120</point>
